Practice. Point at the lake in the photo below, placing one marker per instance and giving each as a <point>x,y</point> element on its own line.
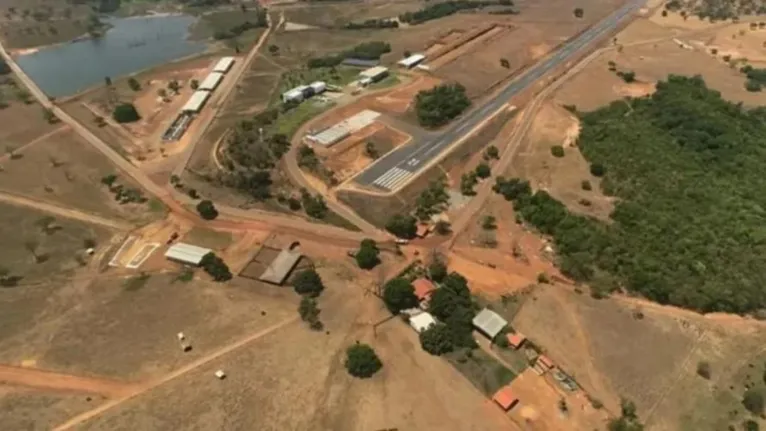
<point>130,45</point>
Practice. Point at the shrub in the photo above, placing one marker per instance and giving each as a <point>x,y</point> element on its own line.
<point>361,361</point>
<point>134,84</point>
<point>216,267</point>
<point>483,170</point>
<point>403,226</point>
<point>597,170</point>
<point>367,257</point>
<point>753,401</point>
<point>308,282</point>
<point>703,370</point>
<point>585,185</point>
<point>557,151</point>
<point>207,210</point>
<point>398,294</point>
<point>437,340</point>
<point>309,312</point>
<point>579,12</point>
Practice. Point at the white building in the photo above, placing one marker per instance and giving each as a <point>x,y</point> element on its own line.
<point>186,253</point>
<point>318,87</point>
<point>374,74</point>
<point>489,323</point>
<point>342,130</point>
<point>224,65</point>
<point>211,82</point>
<point>196,102</point>
<point>412,61</point>
<point>422,322</point>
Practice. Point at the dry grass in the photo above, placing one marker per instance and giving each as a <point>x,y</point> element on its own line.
<point>29,410</point>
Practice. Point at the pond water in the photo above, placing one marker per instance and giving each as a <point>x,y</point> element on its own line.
<point>130,45</point>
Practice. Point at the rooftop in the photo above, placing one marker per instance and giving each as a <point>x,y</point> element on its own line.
<point>505,398</point>
<point>280,267</point>
<point>223,64</point>
<point>516,340</point>
<point>373,72</point>
<point>412,60</point>
<point>423,288</point>
<point>545,361</point>
<point>196,101</point>
<point>186,253</point>
<point>422,322</point>
<point>211,81</point>
<point>489,322</point>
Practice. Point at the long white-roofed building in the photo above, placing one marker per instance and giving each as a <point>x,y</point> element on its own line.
<point>223,65</point>
<point>186,253</point>
<point>211,82</point>
<point>196,102</point>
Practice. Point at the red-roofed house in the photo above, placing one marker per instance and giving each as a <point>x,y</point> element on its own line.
<point>505,398</point>
<point>422,231</point>
<point>423,288</point>
<point>544,363</point>
<point>516,340</point>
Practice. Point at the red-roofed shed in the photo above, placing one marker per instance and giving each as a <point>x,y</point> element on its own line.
<point>423,288</point>
<point>505,398</point>
<point>516,340</point>
<point>545,361</point>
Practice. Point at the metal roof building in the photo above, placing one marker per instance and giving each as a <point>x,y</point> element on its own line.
<point>422,322</point>
<point>224,65</point>
<point>196,102</point>
<point>211,82</point>
<point>489,323</point>
<point>280,267</point>
<point>342,130</point>
<point>358,62</point>
<point>186,253</point>
<point>375,73</point>
<point>412,60</point>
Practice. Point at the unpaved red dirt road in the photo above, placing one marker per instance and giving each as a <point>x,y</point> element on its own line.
<point>52,381</point>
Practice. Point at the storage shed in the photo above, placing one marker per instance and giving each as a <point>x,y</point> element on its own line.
<point>358,62</point>
<point>223,65</point>
<point>412,61</point>
<point>281,267</point>
<point>211,82</point>
<point>318,87</point>
<point>196,101</point>
<point>505,398</point>
<point>186,253</point>
<point>489,323</point>
<point>374,74</point>
<point>422,322</point>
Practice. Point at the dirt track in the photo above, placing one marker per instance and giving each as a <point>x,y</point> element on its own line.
<point>63,212</point>
<point>51,381</point>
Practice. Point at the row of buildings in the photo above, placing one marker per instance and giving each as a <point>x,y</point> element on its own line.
<point>198,99</point>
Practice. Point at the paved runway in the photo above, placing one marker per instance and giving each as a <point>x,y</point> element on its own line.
<point>396,168</point>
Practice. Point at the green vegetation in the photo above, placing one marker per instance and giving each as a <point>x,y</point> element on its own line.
<point>365,51</point>
<point>483,171</point>
<point>308,283</point>
<point>452,304</point>
<point>403,226</point>
<point>207,210</point>
<point>215,267</point>
<point>756,78</point>
<point>315,206</point>
<point>372,23</point>
<point>628,421</point>
<point>467,182</point>
<point>447,8</point>
<point>125,113</point>
<point>439,105</point>
<point>437,340</point>
<point>557,151</point>
<point>361,361</point>
<point>398,294</point>
<point>753,401</point>
<point>627,76</point>
<point>703,370</point>
<point>578,12</point>
<point>432,200</point>
<point>309,312</point>
<point>134,84</point>
<point>688,224</point>
<point>491,153</point>
<point>368,255</point>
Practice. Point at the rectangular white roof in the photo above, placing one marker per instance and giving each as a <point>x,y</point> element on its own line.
<point>224,64</point>
<point>373,71</point>
<point>280,267</point>
<point>412,60</point>
<point>422,321</point>
<point>211,81</point>
<point>346,127</point>
<point>196,101</point>
<point>186,253</point>
<point>489,322</point>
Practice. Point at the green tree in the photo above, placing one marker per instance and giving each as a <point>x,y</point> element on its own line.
<point>398,294</point>
<point>750,425</point>
<point>207,210</point>
<point>174,86</point>
<point>442,227</point>
<point>467,183</point>
<point>579,12</point>
<point>597,169</point>
<point>492,153</point>
<point>194,84</point>
<point>439,105</point>
<point>505,63</point>
<point>628,421</point>
<point>125,113</point>
<point>309,312</point>
<point>216,267</point>
<point>368,255</point>
<point>308,282</point>
<point>437,270</point>
<point>557,151</point>
<point>437,340</point>
<point>134,84</point>
<point>49,116</point>
<point>273,49</point>
<point>403,226</point>
<point>753,401</point>
<point>361,361</point>
<point>483,170</point>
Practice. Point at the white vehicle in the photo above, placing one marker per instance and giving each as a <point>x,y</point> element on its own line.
<point>402,241</point>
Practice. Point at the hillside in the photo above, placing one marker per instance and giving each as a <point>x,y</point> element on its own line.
<point>686,168</point>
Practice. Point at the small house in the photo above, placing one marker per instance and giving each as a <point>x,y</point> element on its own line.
<point>489,323</point>
<point>505,398</point>
<point>516,340</point>
<point>423,289</point>
<point>421,322</point>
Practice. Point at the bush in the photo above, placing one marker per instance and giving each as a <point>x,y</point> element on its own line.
<point>437,270</point>
<point>703,370</point>
<point>398,294</point>
<point>361,361</point>
<point>367,257</point>
<point>585,185</point>
<point>753,401</point>
<point>216,267</point>
<point>750,425</point>
<point>403,226</point>
<point>579,13</point>
<point>597,169</point>
<point>125,113</point>
<point>439,105</point>
<point>308,282</point>
<point>483,170</point>
<point>752,86</point>
<point>134,84</point>
<point>492,153</point>
<point>437,340</point>
<point>309,312</point>
<point>207,210</point>
<point>442,227</point>
<point>557,151</point>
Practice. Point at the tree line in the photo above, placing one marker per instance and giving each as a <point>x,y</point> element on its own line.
<point>441,10</point>
<point>439,105</point>
<point>688,226</point>
<point>365,51</point>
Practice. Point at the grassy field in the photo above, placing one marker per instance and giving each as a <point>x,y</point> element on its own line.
<point>68,172</point>
<point>37,246</point>
<point>29,410</point>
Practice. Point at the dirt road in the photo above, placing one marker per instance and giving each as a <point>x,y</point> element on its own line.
<point>77,420</point>
<point>52,381</point>
<point>70,213</point>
